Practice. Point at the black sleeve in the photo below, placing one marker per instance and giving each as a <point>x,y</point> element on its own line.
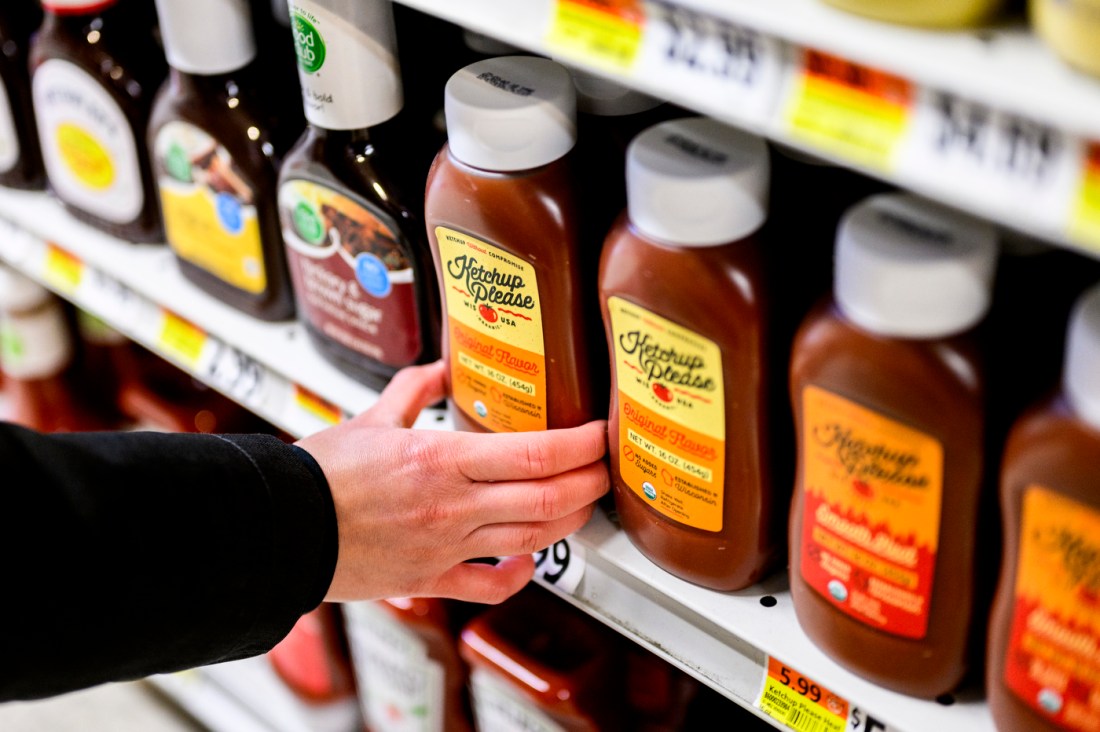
<point>128,554</point>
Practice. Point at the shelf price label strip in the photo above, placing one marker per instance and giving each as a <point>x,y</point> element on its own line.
<point>561,565</point>
<point>1084,224</point>
<point>62,270</point>
<point>15,242</point>
<point>800,703</point>
<point>306,402</point>
<point>604,33</point>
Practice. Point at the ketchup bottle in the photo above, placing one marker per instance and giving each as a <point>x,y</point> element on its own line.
<point>502,223</point>
<point>405,654</point>
<point>686,304</point>
<point>1044,630</point>
<point>20,155</point>
<point>95,67</point>
<point>887,387</point>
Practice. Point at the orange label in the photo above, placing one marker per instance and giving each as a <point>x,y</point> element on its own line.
<point>1053,657</point>
<point>181,339</point>
<point>606,33</point>
<point>318,407</point>
<point>1085,221</point>
<point>672,412</point>
<point>850,110</point>
<point>801,703</point>
<point>63,270</point>
<point>871,512</point>
<point>494,318</point>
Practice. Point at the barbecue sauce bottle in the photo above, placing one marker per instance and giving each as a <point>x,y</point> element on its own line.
<point>95,68</point>
<point>887,387</point>
<point>685,304</point>
<point>503,228</point>
<point>361,268</point>
<point>1045,625</point>
<point>216,141</point>
<point>20,155</point>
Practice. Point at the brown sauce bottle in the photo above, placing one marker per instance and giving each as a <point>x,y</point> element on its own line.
<point>20,155</point>
<point>350,204</point>
<point>217,141</point>
<point>405,654</point>
<point>95,68</point>
<point>685,305</point>
<point>1041,669</point>
<point>502,223</point>
<point>887,389</point>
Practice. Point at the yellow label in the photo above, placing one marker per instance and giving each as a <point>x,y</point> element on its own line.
<point>318,407</point>
<point>63,270</point>
<point>210,216</point>
<point>85,157</point>
<point>494,318</point>
<point>1085,222</point>
<point>871,512</point>
<point>849,110</point>
<point>605,33</point>
<point>799,702</point>
<point>672,415</point>
<point>181,339</point>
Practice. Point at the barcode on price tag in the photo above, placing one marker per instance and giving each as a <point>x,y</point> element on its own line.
<point>848,110</point>
<point>725,66</point>
<point>800,703</point>
<point>181,340</point>
<point>561,565</point>
<point>1085,222</point>
<point>63,270</point>
<point>603,33</point>
<point>314,405</point>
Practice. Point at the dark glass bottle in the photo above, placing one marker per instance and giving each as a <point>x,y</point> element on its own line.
<point>20,156</point>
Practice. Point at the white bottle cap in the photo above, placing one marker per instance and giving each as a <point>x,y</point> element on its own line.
<point>511,113</point>
<point>605,98</point>
<point>206,37</point>
<point>697,182</point>
<point>19,293</point>
<point>909,268</point>
<point>1081,374</point>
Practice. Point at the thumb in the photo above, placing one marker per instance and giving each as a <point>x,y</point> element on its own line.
<point>410,390</point>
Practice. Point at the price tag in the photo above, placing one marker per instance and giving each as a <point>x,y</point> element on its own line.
<point>1085,217</point>
<point>317,407</point>
<point>723,65</point>
<point>990,156</point>
<point>238,375</point>
<point>561,566</point>
<point>603,33</point>
<point>63,270</point>
<point>848,110</point>
<point>861,721</point>
<point>801,703</point>
<point>180,340</point>
<point>109,299</point>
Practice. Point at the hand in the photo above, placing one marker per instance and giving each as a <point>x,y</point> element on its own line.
<point>413,505</point>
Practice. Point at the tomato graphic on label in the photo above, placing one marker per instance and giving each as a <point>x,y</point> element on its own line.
<point>863,489</point>
<point>487,313</point>
<point>663,393</point>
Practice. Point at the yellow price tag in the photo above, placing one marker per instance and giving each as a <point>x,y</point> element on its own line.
<point>799,703</point>
<point>849,110</point>
<point>604,33</point>
<point>1085,221</point>
<point>64,271</point>
<point>181,340</point>
<point>318,407</point>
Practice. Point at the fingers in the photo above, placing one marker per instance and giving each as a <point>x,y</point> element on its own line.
<point>513,539</point>
<point>541,500</point>
<point>410,390</point>
<point>526,455</point>
<point>485,583</point>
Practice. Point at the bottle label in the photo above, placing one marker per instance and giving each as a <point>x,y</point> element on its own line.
<point>88,145</point>
<point>353,280</point>
<point>35,345</point>
<point>336,52</point>
<point>9,138</point>
<point>1052,662</point>
<point>400,687</point>
<point>499,708</point>
<point>871,512</point>
<point>497,353</point>
<point>672,415</point>
<point>210,215</point>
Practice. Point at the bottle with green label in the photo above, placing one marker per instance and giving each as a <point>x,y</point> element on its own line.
<point>20,155</point>
<point>217,141</point>
<point>686,303</point>
<point>349,203</point>
<point>95,68</point>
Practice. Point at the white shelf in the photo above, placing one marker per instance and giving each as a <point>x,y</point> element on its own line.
<point>723,639</point>
<point>1029,119</point>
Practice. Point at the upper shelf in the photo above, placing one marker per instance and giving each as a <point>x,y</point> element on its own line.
<point>987,120</point>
